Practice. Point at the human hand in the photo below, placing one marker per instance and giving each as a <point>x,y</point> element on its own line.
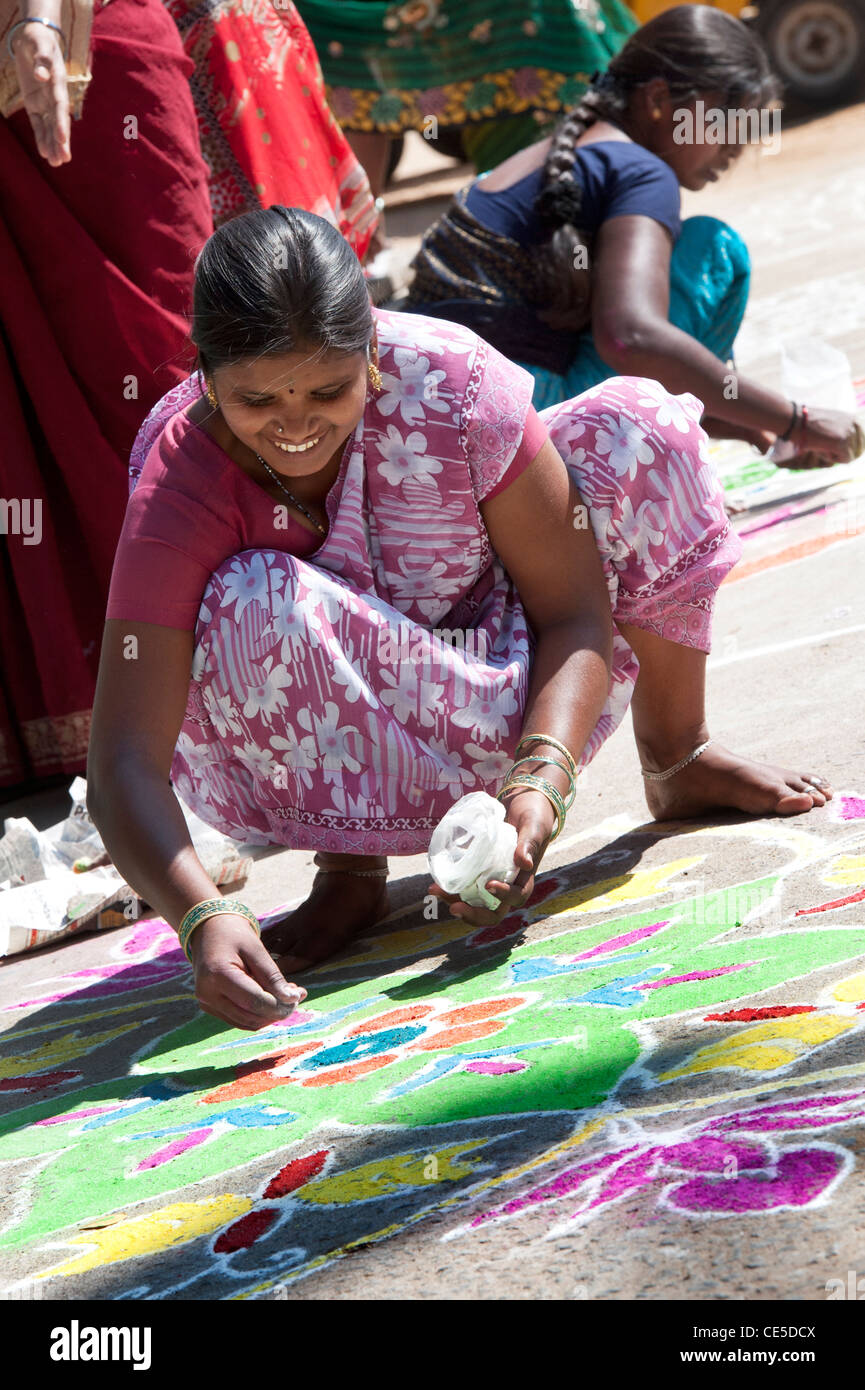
<point>236,979</point>
<point>825,437</point>
<point>534,819</point>
<point>762,440</point>
<point>41,73</point>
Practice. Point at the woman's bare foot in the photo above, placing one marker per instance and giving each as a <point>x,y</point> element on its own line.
<point>341,905</point>
<point>721,779</point>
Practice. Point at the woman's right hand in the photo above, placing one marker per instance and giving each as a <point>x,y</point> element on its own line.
<point>831,435</point>
<point>236,979</point>
<point>42,78</point>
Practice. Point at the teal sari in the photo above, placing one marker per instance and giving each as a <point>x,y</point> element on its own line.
<point>710,272</point>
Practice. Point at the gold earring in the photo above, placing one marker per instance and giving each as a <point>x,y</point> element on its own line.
<point>211,394</point>
<point>374,376</point>
<point>656,115</point>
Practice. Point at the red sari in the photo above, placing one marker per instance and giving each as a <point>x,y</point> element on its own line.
<point>96,262</point>
<point>267,132</point>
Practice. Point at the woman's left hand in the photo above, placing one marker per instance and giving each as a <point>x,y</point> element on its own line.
<point>535,820</point>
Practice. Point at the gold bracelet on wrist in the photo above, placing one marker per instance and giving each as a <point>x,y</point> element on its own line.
<point>524,781</point>
<point>213,907</point>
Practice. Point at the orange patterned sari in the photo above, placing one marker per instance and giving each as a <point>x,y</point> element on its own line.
<point>267,132</point>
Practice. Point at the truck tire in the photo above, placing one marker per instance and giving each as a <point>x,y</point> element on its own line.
<point>817,47</point>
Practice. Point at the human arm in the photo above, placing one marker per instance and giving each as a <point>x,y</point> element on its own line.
<point>137,714</point>
<point>556,569</point>
<point>41,69</point>
<point>632,334</point>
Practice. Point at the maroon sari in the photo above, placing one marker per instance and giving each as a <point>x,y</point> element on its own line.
<point>96,263</point>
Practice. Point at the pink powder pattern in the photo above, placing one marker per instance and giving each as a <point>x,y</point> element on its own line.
<point>489,1068</point>
<point>174,1149</point>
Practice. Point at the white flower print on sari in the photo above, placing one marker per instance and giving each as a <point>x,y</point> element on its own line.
<point>489,767</point>
<point>670,410</point>
<point>624,442</point>
<point>221,708</point>
<point>409,696</point>
<point>266,697</point>
<point>417,389</point>
<point>405,458</point>
<point>488,712</point>
<point>297,627</point>
<point>248,581</point>
<point>261,764</point>
<point>289,752</point>
<point>348,675</point>
<point>328,741</point>
<point>420,575</point>
<point>638,531</point>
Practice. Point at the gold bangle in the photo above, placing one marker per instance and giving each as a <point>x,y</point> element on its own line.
<point>525,781</point>
<point>550,743</point>
<point>570,794</point>
<point>213,907</point>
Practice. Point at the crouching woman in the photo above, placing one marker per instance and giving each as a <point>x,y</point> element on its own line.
<point>337,487</point>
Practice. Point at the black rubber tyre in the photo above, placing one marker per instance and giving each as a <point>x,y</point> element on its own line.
<point>817,47</point>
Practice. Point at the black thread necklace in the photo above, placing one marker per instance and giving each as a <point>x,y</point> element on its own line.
<point>290,495</point>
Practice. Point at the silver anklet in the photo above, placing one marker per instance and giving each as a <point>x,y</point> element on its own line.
<point>356,873</point>
<point>677,767</point>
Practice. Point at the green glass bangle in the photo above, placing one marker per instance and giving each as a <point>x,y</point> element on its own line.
<point>571,793</point>
<point>536,783</point>
<point>526,781</point>
<point>551,743</point>
<point>213,907</point>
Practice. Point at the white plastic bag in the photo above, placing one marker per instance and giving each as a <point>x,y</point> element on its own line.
<point>817,373</point>
<point>471,844</point>
<point>20,853</point>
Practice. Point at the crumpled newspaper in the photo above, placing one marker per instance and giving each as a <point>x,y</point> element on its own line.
<point>471,844</point>
<point>51,890</point>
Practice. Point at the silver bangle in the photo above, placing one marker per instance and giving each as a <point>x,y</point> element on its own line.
<point>677,767</point>
<point>36,19</point>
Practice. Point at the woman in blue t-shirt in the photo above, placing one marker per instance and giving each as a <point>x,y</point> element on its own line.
<point>572,258</point>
